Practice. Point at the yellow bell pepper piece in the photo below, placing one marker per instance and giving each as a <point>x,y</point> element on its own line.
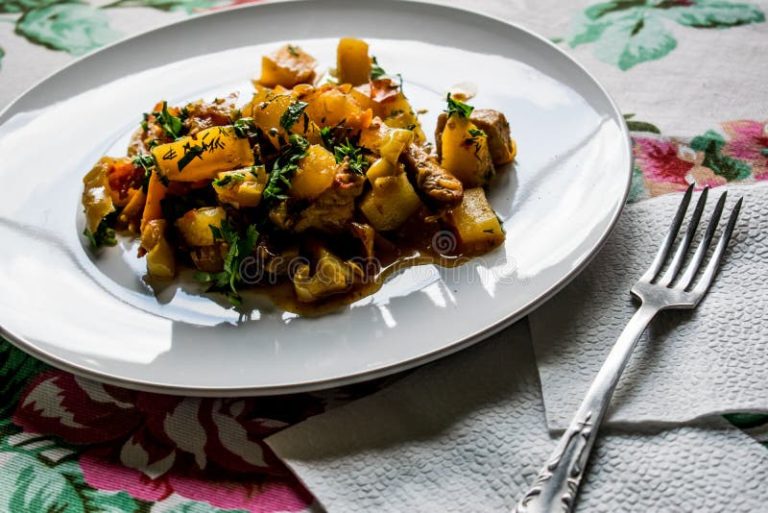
<point>203,155</point>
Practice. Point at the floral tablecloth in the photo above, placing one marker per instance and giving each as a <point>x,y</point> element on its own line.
<point>690,75</point>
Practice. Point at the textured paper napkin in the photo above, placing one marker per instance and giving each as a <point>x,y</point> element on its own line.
<point>468,434</point>
<point>689,364</point>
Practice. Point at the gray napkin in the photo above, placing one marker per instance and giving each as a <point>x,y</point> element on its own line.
<point>690,363</point>
<point>467,434</point>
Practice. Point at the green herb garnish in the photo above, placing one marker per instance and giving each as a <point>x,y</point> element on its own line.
<point>190,152</point>
<point>244,127</point>
<point>284,167</point>
<point>171,125</point>
<point>292,114</point>
<point>228,179</point>
<point>293,50</point>
<point>239,248</point>
<point>457,107</point>
<point>146,162</point>
<point>376,71</point>
<point>326,134</point>
<point>357,164</point>
<point>476,132</point>
<point>104,236</point>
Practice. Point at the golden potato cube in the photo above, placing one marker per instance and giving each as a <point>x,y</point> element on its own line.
<point>288,66</point>
<point>465,152</point>
<point>393,144</point>
<point>475,223</point>
<point>332,106</point>
<point>390,202</point>
<point>353,65</point>
<point>241,188</point>
<point>315,173</point>
<point>397,112</point>
<point>161,262</point>
<point>195,225</point>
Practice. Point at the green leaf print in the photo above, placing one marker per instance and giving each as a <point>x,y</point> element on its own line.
<point>167,5</point>
<point>711,143</point>
<point>16,368</point>
<point>21,6</point>
<point>199,507</point>
<point>633,39</point>
<point>31,484</point>
<point>74,28</point>
<point>640,126</point>
<point>713,14</point>
<point>628,32</point>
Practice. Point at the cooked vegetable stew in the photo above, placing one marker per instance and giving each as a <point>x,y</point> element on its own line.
<point>312,191</point>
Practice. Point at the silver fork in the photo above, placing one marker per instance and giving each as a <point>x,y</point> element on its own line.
<point>555,487</point>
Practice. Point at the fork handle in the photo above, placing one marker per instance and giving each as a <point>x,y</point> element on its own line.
<point>555,487</point>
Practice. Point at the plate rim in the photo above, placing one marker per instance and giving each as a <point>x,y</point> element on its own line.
<point>367,374</point>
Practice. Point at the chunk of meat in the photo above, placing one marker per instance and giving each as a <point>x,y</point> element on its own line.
<point>334,208</point>
<point>203,115</point>
<point>431,179</point>
<point>496,127</point>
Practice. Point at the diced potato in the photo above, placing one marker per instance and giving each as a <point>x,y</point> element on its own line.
<point>362,95</point>
<point>241,188</point>
<point>397,112</point>
<point>288,66</point>
<point>267,109</point>
<point>353,65</point>
<point>315,173</point>
<point>380,168</point>
<point>332,276</point>
<point>202,156</point>
<point>373,135</point>
<point>475,223</point>
<point>465,152</point>
<point>393,144</point>
<point>161,262</point>
<point>390,202</point>
<point>331,106</point>
<point>195,225</point>
<point>97,195</point>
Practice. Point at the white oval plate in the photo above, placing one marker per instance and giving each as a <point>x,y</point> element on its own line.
<point>96,316</point>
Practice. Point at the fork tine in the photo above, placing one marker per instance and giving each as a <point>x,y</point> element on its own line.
<point>661,255</point>
<point>685,244</point>
<point>701,250</point>
<point>714,264</point>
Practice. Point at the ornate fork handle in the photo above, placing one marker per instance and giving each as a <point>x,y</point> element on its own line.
<point>554,489</point>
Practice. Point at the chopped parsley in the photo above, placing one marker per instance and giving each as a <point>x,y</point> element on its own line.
<point>284,167</point>
<point>244,127</point>
<point>231,178</point>
<point>239,248</point>
<point>292,114</point>
<point>458,108</point>
<point>376,71</point>
<point>104,236</point>
<point>146,162</point>
<point>190,153</point>
<point>357,164</point>
<point>171,125</point>
<point>293,50</point>
<point>476,132</point>
<point>326,134</point>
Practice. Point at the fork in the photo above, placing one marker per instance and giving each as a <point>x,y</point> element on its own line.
<point>555,487</point>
